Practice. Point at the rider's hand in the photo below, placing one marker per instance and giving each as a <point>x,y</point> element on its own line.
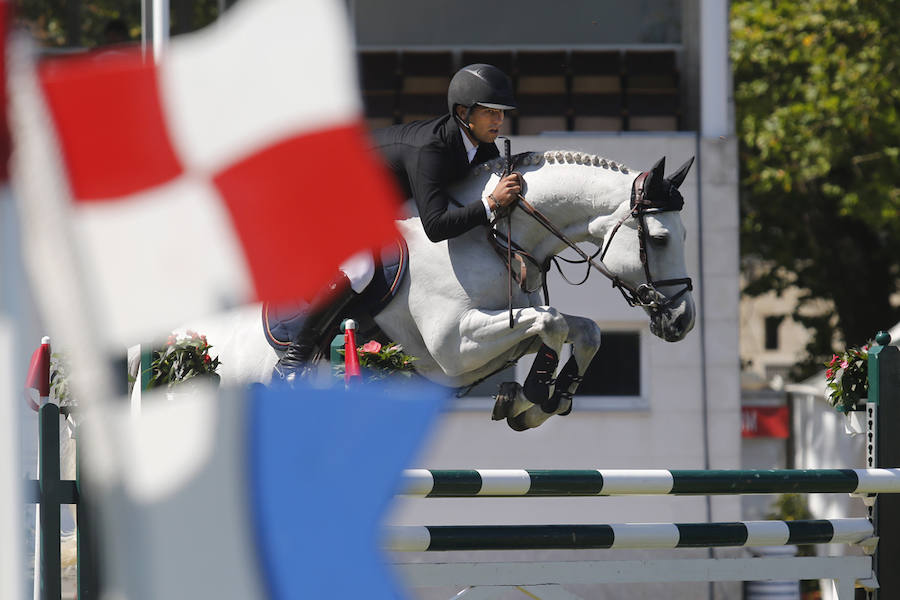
<point>507,191</point>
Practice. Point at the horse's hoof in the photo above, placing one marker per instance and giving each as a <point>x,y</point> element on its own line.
<point>568,408</point>
<point>551,405</point>
<point>504,400</point>
<point>517,423</point>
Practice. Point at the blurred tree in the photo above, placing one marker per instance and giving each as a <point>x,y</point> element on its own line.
<point>48,19</point>
<point>817,94</point>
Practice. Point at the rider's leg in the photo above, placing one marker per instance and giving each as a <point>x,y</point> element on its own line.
<point>326,311</point>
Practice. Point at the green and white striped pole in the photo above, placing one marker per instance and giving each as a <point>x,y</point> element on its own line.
<point>627,535</point>
<point>462,483</point>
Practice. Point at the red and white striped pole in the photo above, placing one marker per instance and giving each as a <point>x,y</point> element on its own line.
<point>351,357</point>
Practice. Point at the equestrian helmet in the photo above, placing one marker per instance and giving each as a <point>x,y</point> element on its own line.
<point>481,84</point>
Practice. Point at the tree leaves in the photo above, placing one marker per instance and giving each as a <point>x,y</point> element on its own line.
<point>817,90</point>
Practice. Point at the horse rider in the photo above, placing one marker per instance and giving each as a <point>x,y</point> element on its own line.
<point>426,157</point>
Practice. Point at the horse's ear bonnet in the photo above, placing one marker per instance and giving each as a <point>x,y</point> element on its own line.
<point>660,192</point>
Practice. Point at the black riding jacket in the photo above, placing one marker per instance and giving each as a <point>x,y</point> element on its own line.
<point>427,157</point>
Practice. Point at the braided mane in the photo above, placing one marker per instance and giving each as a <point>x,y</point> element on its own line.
<point>498,165</point>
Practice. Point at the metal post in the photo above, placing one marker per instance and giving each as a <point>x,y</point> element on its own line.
<point>88,565</point>
<point>147,28</point>
<point>160,28</point>
<point>48,449</point>
<point>883,450</point>
<point>154,28</point>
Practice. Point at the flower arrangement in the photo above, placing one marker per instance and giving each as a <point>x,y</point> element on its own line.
<point>847,378</point>
<point>183,358</point>
<point>380,362</point>
<point>59,380</point>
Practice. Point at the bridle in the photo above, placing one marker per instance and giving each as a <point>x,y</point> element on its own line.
<point>646,295</point>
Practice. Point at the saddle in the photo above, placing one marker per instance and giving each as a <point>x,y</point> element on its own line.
<point>282,323</point>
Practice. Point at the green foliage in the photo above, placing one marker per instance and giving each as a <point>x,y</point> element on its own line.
<point>847,378</point>
<point>181,360</point>
<point>48,19</point>
<point>790,507</point>
<point>817,94</point>
<point>59,380</point>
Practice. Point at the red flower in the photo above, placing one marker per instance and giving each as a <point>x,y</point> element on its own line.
<point>834,359</point>
<point>371,347</point>
<point>829,373</point>
<point>206,359</point>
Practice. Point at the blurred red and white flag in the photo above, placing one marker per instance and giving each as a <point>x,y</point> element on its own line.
<point>236,169</point>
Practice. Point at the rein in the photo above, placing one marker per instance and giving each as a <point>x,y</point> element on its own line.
<point>645,295</point>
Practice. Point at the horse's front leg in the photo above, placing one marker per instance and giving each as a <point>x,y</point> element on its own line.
<point>489,331</point>
<point>484,335</point>
<point>465,345</point>
<point>585,341</point>
<point>584,334</point>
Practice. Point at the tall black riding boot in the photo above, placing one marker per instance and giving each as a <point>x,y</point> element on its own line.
<point>326,312</point>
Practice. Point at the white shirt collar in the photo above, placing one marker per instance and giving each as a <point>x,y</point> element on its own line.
<point>471,148</point>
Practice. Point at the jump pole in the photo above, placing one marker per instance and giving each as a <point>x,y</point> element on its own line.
<point>470,483</point>
<point>877,485</point>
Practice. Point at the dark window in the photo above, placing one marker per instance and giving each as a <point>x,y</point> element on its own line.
<point>616,368</point>
<point>772,324</point>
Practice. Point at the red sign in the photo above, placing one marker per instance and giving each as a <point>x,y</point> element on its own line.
<point>765,421</point>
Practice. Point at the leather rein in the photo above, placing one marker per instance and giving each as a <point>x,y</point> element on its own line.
<point>645,295</point>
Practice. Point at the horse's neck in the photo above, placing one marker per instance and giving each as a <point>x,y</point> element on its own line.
<point>571,189</point>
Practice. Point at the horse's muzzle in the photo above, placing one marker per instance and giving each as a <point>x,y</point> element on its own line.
<point>673,323</point>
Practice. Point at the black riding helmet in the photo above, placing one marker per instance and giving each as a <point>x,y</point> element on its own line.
<point>481,84</point>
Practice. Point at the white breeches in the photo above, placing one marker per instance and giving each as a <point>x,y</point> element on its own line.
<point>359,269</point>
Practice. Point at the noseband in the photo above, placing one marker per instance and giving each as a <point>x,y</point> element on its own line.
<point>646,295</point>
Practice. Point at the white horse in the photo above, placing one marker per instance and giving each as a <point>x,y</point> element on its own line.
<point>451,312</point>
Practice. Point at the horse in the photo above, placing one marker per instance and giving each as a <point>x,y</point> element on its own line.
<point>455,313</point>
